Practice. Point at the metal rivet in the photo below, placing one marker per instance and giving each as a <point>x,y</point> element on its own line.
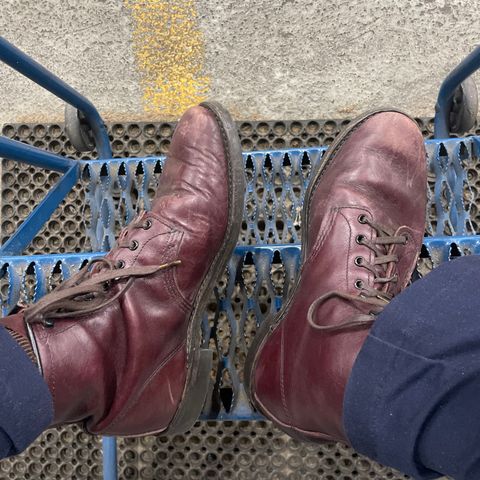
<point>147,224</point>
<point>359,284</point>
<point>359,239</point>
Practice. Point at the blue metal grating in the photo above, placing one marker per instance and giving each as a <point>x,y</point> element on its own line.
<point>453,186</point>
<point>276,183</point>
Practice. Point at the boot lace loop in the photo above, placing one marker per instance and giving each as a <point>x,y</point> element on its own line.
<point>382,246</point>
<point>89,290</point>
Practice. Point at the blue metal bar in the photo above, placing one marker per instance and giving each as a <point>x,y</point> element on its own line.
<point>109,445</point>
<point>442,109</point>
<point>241,250</point>
<point>434,242</point>
<point>47,259</point>
<point>118,161</point>
<point>21,152</point>
<point>35,221</point>
<point>31,69</point>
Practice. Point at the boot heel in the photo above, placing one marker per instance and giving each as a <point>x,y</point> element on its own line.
<point>194,401</point>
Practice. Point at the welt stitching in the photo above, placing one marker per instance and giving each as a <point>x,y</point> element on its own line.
<point>347,269</point>
<point>282,378</point>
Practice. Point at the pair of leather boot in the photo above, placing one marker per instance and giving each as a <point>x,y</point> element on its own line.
<point>119,344</point>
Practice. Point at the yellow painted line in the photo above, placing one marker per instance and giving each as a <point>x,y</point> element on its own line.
<point>170,53</point>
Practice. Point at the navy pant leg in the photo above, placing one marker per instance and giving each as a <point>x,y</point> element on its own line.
<point>26,406</point>
<point>413,398</point>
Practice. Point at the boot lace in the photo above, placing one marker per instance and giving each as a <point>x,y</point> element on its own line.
<point>381,245</point>
<point>89,290</point>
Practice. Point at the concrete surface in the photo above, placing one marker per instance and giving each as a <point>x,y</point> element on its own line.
<point>139,59</point>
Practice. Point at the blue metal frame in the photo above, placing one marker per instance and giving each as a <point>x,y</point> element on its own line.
<point>31,69</point>
<point>21,152</point>
<point>109,448</point>
<point>445,95</point>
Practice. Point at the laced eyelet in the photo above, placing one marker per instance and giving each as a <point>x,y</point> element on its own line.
<point>147,224</point>
<point>359,284</point>
<point>359,239</point>
<point>133,245</point>
<point>359,261</point>
<point>120,264</point>
<point>362,219</point>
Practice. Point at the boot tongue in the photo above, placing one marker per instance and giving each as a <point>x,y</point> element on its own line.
<point>25,344</point>
<point>15,323</point>
<point>392,266</point>
<point>16,327</point>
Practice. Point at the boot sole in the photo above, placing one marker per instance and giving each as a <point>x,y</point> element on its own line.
<point>200,360</point>
<point>272,321</point>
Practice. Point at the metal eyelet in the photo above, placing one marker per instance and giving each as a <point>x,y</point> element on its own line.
<point>120,264</point>
<point>407,238</point>
<point>147,224</point>
<point>359,261</point>
<point>362,219</point>
<point>359,284</point>
<point>133,245</point>
<point>359,239</point>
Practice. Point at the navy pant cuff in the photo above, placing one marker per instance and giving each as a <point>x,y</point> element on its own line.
<point>411,401</point>
<point>381,423</point>
<point>26,406</point>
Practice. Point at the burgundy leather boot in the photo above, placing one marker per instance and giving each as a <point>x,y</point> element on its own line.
<point>362,229</point>
<point>119,343</point>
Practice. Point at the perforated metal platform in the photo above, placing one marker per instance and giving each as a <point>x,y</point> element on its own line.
<point>255,283</point>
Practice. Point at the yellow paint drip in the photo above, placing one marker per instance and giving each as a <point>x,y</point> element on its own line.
<point>170,54</point>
